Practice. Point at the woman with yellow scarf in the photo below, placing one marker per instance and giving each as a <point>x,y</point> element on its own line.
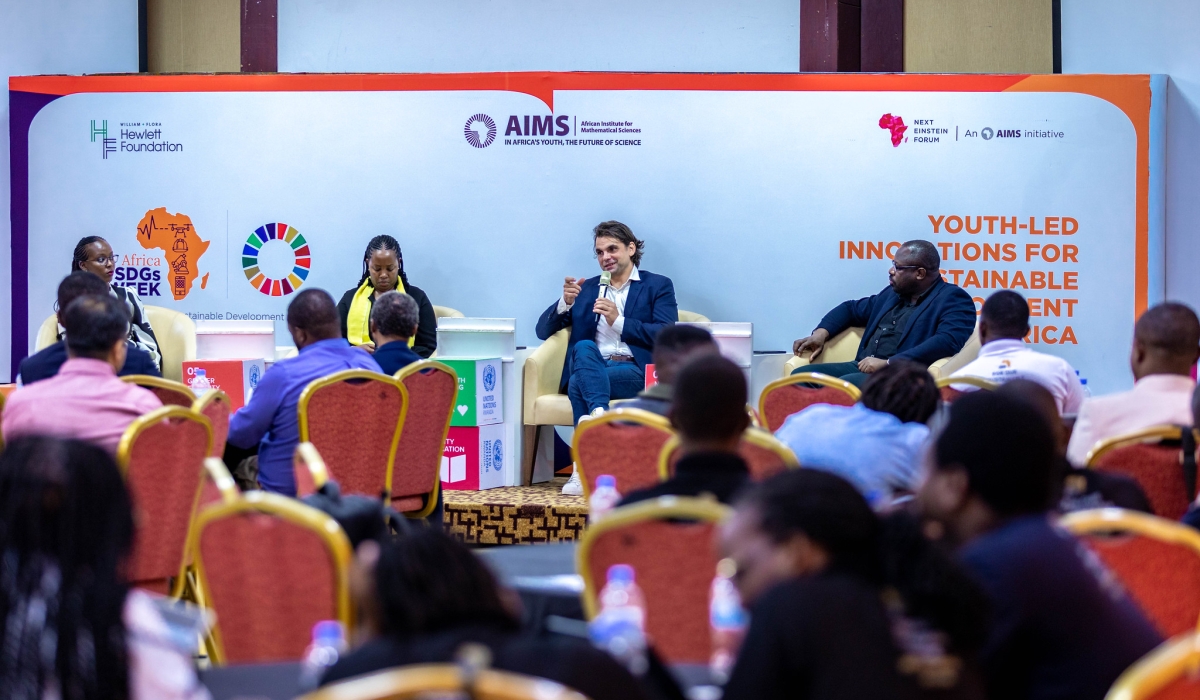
<point>383,271</point>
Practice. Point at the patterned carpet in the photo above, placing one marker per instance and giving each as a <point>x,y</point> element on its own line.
<point>515,514</point>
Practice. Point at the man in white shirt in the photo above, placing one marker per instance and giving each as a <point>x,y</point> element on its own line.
<point>1166,344</point>
<point>612,326</point>
<point>1005,355</point>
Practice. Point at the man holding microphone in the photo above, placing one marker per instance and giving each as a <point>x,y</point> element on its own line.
<point>613,318</point>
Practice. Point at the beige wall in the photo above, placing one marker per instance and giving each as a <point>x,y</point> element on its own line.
<point>195,36</point>
<point>978,36</point>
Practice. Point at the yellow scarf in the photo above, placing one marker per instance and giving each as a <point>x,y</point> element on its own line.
<point>358,321</point>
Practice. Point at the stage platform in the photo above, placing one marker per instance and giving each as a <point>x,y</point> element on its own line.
<point>515,514</point>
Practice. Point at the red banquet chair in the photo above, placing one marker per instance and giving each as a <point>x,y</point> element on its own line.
<point>171,393</point>
<point>162,457</point>
<point>354,419</point>
<point>763,453</point>
<point>271,568</point>
<point>432,393</point>
<point>217,408</point>
<point>783,397</point>
<point>1153,458</point>
<point>1169,672</point>
<point>669,543</point>
<point>950,394</point>
<point>1158,562</point>
<point>624,443</point>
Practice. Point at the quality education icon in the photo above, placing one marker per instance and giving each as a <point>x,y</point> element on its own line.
<point>284,235</point>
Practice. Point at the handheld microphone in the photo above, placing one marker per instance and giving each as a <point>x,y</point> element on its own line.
<point>605,283</point>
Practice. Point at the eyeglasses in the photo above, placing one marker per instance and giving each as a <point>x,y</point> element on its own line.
<point>905,267</point>
<point>105,259</point>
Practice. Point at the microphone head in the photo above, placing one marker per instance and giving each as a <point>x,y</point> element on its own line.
<point>606,278</point>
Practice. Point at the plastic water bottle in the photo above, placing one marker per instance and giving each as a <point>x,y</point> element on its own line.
<point>604,498</point>
<point>728,620</point>
<point>199,382</point>
<point>620,628</point>
<point>328,643</point>
<point>1083,381</point>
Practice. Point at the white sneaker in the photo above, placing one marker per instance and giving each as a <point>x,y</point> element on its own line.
<point>573,487</point>
<point>597,411</point>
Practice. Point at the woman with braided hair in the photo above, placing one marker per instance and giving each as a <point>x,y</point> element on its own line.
<point>93,254</point>
<point>383,271</point>
<point>875,444</point>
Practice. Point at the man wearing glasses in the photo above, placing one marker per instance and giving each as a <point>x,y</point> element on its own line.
<point>919,317</point>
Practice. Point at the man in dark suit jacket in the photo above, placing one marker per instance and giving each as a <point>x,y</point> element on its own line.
<point>394,320</point>
<point>45,363</point>
<point>918,317</point>
<point>612,336</point>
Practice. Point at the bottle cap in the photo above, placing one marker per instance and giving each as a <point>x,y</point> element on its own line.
<point>621,573</point>
<point>606,480</point>
<point>328,631</point>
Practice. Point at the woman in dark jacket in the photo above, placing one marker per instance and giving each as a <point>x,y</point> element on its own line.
<point>383,271</point>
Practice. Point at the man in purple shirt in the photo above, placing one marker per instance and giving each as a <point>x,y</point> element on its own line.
<point>271,419</point>
<point>85,400</point>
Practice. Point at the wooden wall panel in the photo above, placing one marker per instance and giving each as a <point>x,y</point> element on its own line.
<point>193,36</point>
<point>978,36</point>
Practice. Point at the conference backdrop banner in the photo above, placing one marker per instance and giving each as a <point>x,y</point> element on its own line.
<point>766,198</point>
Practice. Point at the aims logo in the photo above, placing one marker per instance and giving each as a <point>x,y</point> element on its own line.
<point>480,131</point>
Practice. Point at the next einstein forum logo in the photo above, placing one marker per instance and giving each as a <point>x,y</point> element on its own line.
<point>132,137</point>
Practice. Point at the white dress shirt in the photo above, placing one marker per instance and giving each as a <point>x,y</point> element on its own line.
<point>1012,358</point>
<point>608,337</point>
<point>1156,399</point>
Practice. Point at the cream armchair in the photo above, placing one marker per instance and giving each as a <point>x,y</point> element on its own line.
<point>541,402</point>
<point>844,346</point>
<point>176,334</point>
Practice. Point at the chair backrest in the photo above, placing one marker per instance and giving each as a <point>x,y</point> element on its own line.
<point>970,351</point>
<point>270,567</point>
<point>543,371</point>
<point>218,485</point>
<point>443,680</point>
<point>170,392</point>
<point>783,397</point>
<point>764,454</point>
<point>1152,457</point>
<point>692,317</point>
<point>1157,560</point>
<point>669,543</point>
<point>162,457</point>
<point>354,418</point>
<point>1169,672</point>
<point>623,442</point>
<point>446,312</point>
<point>309,469</point>
<point>176,334</point>
<point>432,394</point>
<point>216,407</point>
<point>946,387</point>
<point>47,333</point>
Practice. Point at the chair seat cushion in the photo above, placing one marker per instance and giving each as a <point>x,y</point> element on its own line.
<point>552,409</point>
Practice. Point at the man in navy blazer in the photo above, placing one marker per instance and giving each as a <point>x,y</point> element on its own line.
<point>46,362</point>
<point>612,335</point>
<point>919,317</point>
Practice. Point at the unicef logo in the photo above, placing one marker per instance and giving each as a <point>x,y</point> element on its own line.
<point>489,377</point>
<point>480,124</point>
<point>253,376</point>
<point>498,455</point>
<point>987,133</point>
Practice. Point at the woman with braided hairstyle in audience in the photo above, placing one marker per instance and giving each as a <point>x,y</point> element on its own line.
<point>93,254</point>
<point>383,271</point>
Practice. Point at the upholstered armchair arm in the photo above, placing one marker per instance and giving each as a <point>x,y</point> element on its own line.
<point>842,347</point>
<point>543,371</point>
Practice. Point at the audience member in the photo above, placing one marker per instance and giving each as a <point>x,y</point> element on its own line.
<point>85,400</point>
<point>46,362</point>
<point>71,627</point>
<point>422,597</point>
<point>1192,517</point>
<point>709,415</point>
<point>93,254</point>
<point>1003,325</point>
<point>1166,344</point>
<point>1062,627</point>
<point>1082,488</point>
<point>672,347</point>
<point>394,319</point>
<point>812,564</point>
<point>271,420</point>
<point>876,443</point>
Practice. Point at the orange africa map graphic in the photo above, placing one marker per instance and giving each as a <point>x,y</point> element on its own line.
<point>182,247</point>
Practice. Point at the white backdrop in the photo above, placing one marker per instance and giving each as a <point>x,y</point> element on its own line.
<point>54,36</point>
<point>750,201</point>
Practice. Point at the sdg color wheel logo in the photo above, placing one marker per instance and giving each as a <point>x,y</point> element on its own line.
<point>263,240</point>
<point>480,131</point>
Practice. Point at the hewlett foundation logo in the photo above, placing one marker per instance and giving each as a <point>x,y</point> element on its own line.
<point>132,137</point>
<point>107,145</point>
<point>480,131</point>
